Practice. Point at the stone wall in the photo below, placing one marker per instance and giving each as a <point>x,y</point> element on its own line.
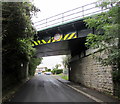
<point>90,73</point>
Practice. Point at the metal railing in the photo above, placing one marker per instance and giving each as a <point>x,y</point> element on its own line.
<point>68,16</point>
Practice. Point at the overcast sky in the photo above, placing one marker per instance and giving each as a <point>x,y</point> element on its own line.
<point>51,61</point>
<point>50,8</point>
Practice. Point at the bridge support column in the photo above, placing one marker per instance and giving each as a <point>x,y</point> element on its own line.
<point>69,70</point>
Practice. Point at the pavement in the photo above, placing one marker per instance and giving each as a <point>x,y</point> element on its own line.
<point>91,93</point>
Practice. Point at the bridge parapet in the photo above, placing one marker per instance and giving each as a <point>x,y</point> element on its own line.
<point>69,16</point>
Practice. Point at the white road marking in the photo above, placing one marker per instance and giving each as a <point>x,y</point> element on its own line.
<point>92,97</point>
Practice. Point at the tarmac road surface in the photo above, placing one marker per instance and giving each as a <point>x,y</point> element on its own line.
<point>45,88</point>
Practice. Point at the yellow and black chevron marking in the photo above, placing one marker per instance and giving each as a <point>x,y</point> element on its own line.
<point>35,43</point>
<point>51,40</point>
<point>70,36</point>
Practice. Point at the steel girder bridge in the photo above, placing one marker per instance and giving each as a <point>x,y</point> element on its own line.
<point>65,33</point>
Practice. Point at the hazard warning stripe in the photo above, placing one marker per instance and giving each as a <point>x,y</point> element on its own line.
<point>35,43</point>
<point>66,36</point>
<point>75,36</point>
<point>51,40</point>
<point>43,41</point>
<point>39,41</point>
<point>71,36</point>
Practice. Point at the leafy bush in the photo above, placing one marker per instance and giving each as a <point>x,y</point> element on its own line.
<point>53,71</point>
<point>116,76</point>
<point>57,71</point>
<point>108,42</point>
<point>17,33</point>
<point>48,70</point>
<point>32,65</point>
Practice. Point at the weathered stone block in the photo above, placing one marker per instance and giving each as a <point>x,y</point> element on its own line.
<point>91,74</point>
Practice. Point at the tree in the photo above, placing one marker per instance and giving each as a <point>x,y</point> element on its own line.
<point>56,69</point>
<point>17,33</point>
<point>109,41</point>
<point>49,70</point>
<point>65,61</point>
<point>57,66</point>
<point>32,65</point>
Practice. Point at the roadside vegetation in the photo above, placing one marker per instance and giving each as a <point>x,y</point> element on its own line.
<point>18,55</point>
<point>107,38</point>
<point>63,76</point>
<point>65,62</point>
<point>56,70</point>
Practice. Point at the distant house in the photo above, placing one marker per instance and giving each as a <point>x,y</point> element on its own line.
<point>40,69</point>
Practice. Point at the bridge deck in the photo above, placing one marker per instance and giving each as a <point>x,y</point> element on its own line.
<point>68,28</point>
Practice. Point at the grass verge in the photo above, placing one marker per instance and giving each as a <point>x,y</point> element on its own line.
<point>63,76</point>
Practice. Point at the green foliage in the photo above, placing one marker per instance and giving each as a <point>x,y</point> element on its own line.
<point>26,48</point>
<point>109,42</point>
<point>17,33</point>
<point>53,72</point>
<point>106,3</point>
<point>116,76</point>
<point>32,65</point>
<point>57,71</point>
<point>66,60</point>
<point>57,66</point>
<point>64,77</point>
<point>17,27</point>
<point>48,70</point>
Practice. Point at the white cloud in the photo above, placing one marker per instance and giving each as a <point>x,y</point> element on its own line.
<point>51,61</point>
